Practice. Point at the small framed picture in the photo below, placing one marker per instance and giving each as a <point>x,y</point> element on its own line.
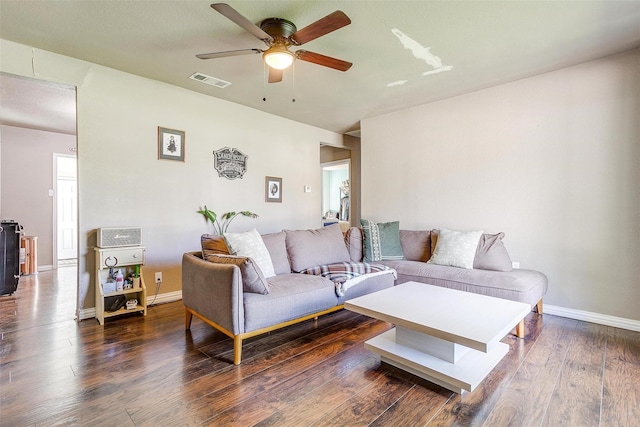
<point>273,189</point>
<point>170,144</point>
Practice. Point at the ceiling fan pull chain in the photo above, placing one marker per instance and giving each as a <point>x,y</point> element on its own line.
<point>293,82</point>
<point>265,76</point>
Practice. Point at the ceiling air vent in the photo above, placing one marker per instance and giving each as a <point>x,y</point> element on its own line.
<point>209,80</point>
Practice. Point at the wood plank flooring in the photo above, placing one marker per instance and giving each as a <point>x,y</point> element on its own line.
<point>149,371</point>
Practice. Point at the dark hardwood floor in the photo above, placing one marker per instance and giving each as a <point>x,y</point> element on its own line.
<point>148,371</point>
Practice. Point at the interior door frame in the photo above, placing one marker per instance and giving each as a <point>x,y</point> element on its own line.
<point>56,156</point>
<point>329,164</point>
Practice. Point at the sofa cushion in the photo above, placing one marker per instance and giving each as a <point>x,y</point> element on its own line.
<point>277,247</point>
<point>250,244</point>
<point>456,248</point>
<point>522,285</point>
<point>491,254</point>
<point>416,244</point>
<point>353,241</point>
<point>290,296</point>
<point>381,240</point>
<point>252,278</point>
<point>213,244</point>
<point>307,248</point>
<point>374,283</point>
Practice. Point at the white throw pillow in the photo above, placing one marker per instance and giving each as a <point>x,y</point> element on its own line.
<point>250,244</point>
<point>456,248</point>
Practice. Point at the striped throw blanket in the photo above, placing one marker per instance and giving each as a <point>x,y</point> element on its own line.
<point>347,274</point>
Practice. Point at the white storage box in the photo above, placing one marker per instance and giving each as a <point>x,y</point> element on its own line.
<point>108,287</point>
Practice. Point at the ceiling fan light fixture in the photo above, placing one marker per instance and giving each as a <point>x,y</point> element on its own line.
<point>280,34</point>
<point>278,57</point>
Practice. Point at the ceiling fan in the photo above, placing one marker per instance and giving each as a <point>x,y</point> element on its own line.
<point>279,34</point>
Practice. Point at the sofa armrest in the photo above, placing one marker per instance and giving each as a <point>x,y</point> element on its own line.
<point>213,291</point>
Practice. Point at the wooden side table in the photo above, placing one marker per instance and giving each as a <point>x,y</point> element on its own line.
<point>127,259</point>
<point>30,246</point>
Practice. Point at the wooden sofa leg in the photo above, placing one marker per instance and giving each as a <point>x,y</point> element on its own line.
<point>539,306</point>
<point>237,350</point>
<point>187,319</point>
<point>520,329</point>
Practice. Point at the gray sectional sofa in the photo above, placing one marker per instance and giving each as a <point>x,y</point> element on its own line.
<point>232,295</point>
<point>492,278</point>
<point>215,290</point>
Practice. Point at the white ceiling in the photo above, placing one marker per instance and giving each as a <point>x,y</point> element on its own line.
<point>36,104</point>
<point>405,53</point>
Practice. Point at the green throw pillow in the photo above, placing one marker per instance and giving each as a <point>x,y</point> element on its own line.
<point>381,241</point>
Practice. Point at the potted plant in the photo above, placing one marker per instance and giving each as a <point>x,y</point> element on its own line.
<point>220,226</point>
<point>136,277</point>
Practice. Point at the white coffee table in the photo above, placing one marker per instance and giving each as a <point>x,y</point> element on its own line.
<point>449,337</point>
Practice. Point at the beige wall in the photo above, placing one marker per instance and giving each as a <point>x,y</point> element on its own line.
<point>27,176</point>
<point>122,183</point>
<point>552,160</point>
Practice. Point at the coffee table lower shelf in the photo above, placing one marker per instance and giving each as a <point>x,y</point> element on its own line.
<point>465,374</point>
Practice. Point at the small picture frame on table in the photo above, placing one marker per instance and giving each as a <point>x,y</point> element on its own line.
<point>170,144</point>
<point>273,189</point>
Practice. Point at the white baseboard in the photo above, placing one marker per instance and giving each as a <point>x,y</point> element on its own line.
<point>45,268</point>
<point>164,298</point>
<point>88,313</point>
<point>588,316</point>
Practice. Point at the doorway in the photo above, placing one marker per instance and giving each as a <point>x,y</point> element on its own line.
<point>66,210</point>
<point>43,123</point>
<point>336,193</point>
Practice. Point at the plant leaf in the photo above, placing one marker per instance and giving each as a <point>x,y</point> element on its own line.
<point>221,226</point>
<point>208,214</point>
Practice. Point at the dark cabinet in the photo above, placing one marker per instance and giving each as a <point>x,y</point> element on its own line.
<point>10,232</point>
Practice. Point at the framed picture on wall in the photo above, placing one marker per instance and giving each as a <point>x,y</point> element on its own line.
<point>170,144</point>
<point>273,189</point>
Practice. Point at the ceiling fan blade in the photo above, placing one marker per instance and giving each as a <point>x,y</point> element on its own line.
<point>240,20</point>
<point>326,61</point>
<point>227,53</point>
<point>275,76</point>
<point>322,26</point>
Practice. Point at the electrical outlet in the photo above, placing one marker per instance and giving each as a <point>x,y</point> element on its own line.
<point>158,276</point>
<point>515,264</point>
